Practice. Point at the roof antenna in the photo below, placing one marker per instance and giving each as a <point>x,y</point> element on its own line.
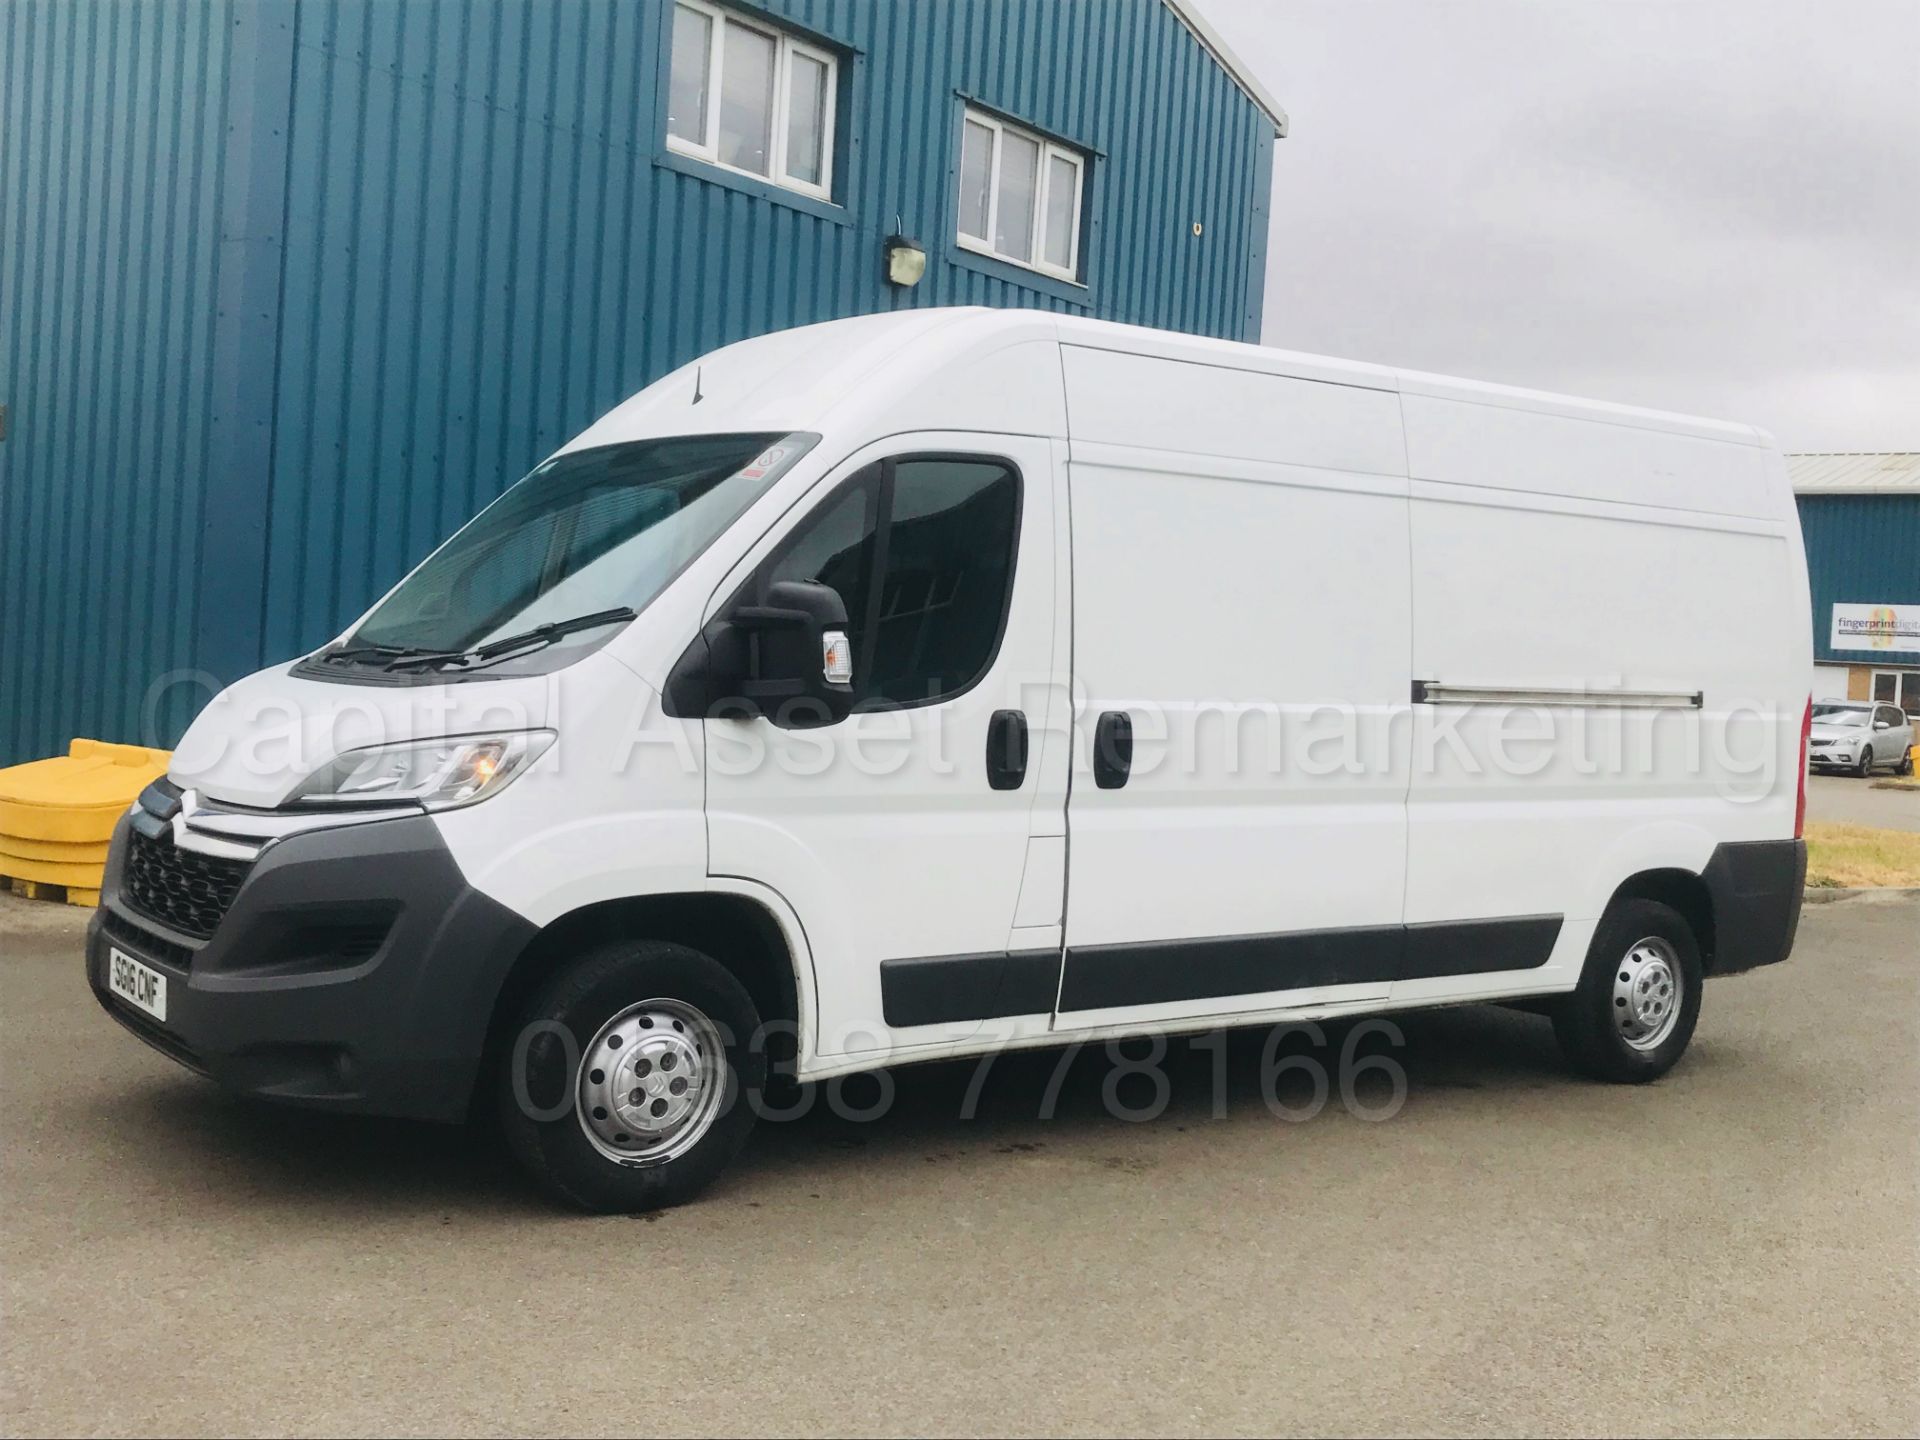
<point>697,397</point>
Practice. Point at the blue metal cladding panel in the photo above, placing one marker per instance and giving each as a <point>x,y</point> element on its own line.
<point>112,124</point>
<point>1861,550</point>
<point>481,243</point>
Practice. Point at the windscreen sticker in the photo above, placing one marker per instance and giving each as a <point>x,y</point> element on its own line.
<point>764,463</point>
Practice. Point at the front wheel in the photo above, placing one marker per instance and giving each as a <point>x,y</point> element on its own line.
<point>1865,767</point>
<point>1639,996</point>
<point>632,1078</point>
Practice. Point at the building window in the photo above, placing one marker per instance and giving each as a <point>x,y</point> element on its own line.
<point>752,98</point>
<point>1020,196</point>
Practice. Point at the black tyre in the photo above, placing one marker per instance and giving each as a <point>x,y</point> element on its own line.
<point>1905,767</point>
<point>1865,766</point>
<point>633,1078</point>
<point>1638,998</point>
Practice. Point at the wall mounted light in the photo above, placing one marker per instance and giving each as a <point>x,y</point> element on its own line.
<point>906,261</point>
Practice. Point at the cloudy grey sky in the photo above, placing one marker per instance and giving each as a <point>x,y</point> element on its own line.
<point>1700,205</point>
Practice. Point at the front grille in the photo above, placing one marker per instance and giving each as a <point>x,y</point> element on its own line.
<point>183,889</point>
<point>145,943</point>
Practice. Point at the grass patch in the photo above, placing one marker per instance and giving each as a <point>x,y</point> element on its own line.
<point>1860,855</point>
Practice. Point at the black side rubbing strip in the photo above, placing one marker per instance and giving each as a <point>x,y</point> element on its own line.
<point>1100,977</point>
<point>1478,947</point>
<point>942,988</point>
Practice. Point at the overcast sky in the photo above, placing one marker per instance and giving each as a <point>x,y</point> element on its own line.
<point>1700,205</point>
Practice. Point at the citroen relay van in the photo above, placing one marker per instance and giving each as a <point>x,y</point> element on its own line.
<point>953,681</point>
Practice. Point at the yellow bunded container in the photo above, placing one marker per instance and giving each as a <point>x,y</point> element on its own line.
<point>56,816</point>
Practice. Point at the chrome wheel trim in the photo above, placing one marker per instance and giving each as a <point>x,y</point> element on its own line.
<point>651,1082</point>
<point>1647,993</point>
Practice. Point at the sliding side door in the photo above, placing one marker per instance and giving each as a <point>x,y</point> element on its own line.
<point>1237,819</point>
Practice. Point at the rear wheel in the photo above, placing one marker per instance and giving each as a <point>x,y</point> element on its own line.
<point>1905,767</point>
<point>1639,996</point>
<point>633,1077</point>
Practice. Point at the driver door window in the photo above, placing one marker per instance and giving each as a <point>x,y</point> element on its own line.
<point>921,549</point>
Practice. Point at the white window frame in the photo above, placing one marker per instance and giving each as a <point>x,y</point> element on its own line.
<point>1050,150</point>
<point>786,48</point>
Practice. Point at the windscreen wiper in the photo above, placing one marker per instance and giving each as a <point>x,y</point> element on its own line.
<point>350,653</point>
<point>538,636</point>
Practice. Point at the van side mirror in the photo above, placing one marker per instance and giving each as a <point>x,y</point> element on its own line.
<point>788,660</point>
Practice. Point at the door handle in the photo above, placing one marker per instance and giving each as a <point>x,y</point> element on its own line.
<point>1007,750</point>
<point>1112,749</point>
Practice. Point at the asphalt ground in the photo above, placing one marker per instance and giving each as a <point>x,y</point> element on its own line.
<point>1850,801</point>
<point>1729,1250</point>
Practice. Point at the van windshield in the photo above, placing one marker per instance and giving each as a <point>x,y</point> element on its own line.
<point>1842,715</point>
<point>592,535</point>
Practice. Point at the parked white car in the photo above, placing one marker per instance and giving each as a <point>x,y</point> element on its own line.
<point>948,681</point>
<point>1860,735</point>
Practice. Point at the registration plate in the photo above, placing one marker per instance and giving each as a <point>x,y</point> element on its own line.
<point>139,986</point>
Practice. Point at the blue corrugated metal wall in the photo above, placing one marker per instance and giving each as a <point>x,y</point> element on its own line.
<point>451,235</point>
<point>113,122</point>
<point>1861,550</point>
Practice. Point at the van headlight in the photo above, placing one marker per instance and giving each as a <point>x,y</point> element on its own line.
<point>436,774</point>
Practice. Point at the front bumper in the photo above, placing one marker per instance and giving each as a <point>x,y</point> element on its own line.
<point>355,970</point>
<point>1828,760</point>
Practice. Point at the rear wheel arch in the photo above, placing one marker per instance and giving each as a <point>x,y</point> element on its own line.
<point>1633,1014</point>
<point>1682,891</point>
<point>739,933</point>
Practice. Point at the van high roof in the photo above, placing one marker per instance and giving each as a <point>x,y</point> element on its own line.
<point>790,378</point>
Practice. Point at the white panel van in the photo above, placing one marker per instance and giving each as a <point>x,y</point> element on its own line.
<point>947,681</point>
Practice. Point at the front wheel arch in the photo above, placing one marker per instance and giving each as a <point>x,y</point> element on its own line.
<point>740,933</point>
